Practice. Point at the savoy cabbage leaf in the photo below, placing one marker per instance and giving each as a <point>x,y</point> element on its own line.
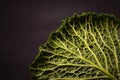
<point>86,46</point>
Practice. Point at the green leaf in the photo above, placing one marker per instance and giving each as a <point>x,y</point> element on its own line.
<point>86,46</point>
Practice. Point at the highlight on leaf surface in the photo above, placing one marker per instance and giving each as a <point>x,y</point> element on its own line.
<point>84,47</point>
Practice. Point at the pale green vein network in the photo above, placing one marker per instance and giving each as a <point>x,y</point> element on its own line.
<point>85,47</point>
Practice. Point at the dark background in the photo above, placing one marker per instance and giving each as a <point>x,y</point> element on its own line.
<point>25,25</point>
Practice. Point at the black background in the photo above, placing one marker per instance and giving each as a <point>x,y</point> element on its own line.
<point>25,25</point>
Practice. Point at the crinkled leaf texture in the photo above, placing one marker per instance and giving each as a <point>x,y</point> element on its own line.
<point>86,46</point>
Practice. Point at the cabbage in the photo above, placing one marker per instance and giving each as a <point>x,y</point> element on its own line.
<point>84,47</point>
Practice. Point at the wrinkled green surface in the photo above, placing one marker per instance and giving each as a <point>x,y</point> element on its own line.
<point>86,46</point>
